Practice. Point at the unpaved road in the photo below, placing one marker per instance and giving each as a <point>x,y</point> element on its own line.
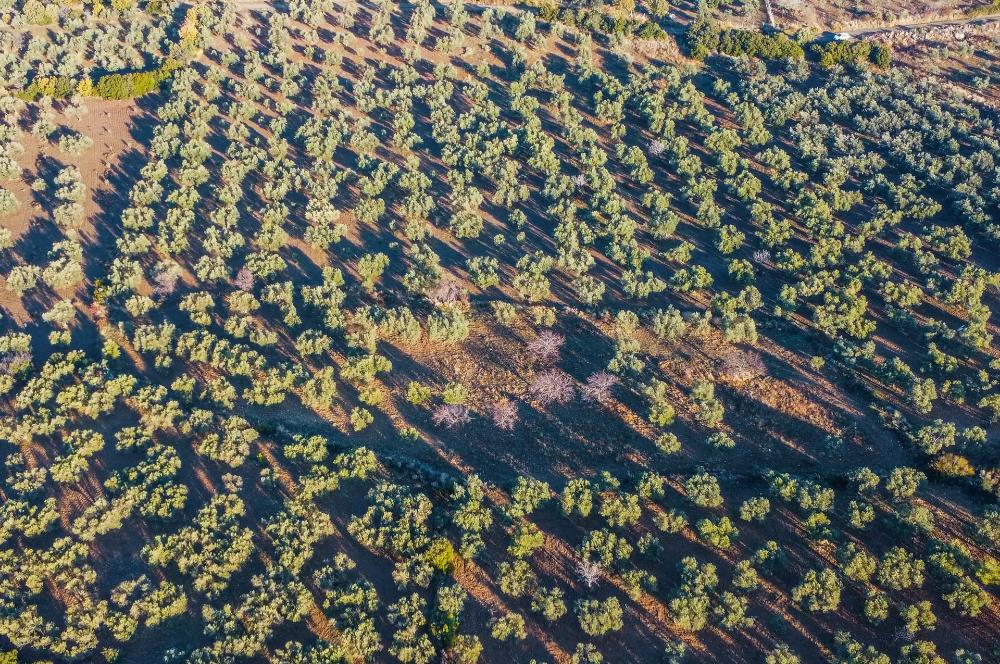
<point>924,25</point>
<point>263,5</point>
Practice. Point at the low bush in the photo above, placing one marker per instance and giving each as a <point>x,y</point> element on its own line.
<point>852,53</point>
<point>758,45</point>
<point>133,84</point>
<point>595,20</point>
<point>128,85</point>
<point>705,36</point>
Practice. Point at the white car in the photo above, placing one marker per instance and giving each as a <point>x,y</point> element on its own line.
<point>842,36</point>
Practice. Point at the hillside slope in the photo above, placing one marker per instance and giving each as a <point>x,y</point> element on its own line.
<point>416,332</point>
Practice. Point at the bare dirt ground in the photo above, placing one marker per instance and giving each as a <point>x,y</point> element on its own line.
<point>111,126</point>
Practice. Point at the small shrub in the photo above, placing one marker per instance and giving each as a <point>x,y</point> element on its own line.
<point>441,555</point>
<point>8,203</point>
<point>953,465</point>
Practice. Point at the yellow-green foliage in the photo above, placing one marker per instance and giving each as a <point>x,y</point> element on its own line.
<point>129,85</point>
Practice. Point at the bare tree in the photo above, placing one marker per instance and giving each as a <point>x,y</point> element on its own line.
<point>552,386</point>
<point>588,572</point>
<point>446,292</point>
<point>742,366</point>
<point>598,386</point>
<point>244,280</point>
<point>165,282</point>
<point>451,416</point>
<point>546,346</point>
<point>504,415</point>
